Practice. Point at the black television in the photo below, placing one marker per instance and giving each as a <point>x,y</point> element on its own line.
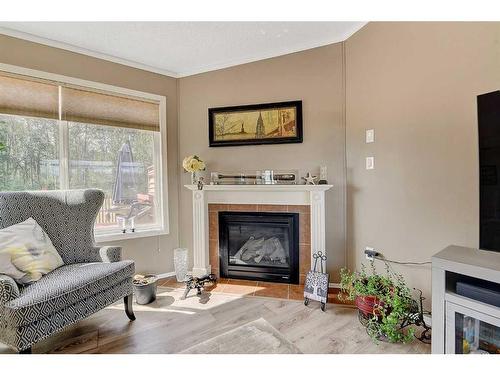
<point>488,109</point>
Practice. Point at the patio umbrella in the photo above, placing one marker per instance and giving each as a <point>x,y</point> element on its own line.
<point>125,186</point>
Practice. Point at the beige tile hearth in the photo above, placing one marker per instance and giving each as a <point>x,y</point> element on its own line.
<point>241,290</point>
<point>257,289</point>
<point>241,282</point>
<point>296,292</point>
<point>274,290</point>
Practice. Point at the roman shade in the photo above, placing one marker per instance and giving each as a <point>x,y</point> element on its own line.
<point>28,97</point>
<point>91,107</point>
<point>32,97</point>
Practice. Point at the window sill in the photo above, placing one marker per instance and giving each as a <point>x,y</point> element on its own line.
<point>119,236</point>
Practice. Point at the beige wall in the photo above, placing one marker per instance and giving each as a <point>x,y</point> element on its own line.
<point>35,56</point>
<point>416,85</point>
<point>315,77</point>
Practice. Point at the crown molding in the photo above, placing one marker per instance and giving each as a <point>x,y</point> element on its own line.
<point>84,51</point>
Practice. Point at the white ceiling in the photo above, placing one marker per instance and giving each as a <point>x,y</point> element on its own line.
<point>183,48</point>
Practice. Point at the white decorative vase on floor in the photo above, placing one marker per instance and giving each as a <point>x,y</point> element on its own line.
<point>181,264</point>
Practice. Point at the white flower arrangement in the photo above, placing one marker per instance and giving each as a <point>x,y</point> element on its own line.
<point>193,163</point>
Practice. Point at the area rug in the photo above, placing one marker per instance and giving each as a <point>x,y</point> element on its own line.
<point>257,337</point>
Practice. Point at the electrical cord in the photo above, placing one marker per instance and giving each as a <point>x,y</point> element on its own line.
<point>403,263</point>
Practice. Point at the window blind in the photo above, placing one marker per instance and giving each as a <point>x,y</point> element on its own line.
<point>81,105</point>
<point>31,97</point>
<point>26,97</point>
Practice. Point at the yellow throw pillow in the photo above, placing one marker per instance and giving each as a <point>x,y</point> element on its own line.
<point>30,250</point>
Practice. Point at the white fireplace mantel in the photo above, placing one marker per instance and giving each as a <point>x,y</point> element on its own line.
<point>312,195</point>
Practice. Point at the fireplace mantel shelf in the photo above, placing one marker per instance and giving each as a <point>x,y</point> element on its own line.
<point>262,188</point>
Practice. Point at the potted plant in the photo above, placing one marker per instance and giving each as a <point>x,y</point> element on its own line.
<point>145,288</point>
<point>383,302</point>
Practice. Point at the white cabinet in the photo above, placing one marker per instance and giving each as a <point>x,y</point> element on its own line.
<point>461,324</point>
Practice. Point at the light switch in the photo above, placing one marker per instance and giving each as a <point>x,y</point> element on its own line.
<point>370,136</point>
<point>370,162</point>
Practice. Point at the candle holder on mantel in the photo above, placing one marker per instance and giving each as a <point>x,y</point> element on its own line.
<point>323,175</point>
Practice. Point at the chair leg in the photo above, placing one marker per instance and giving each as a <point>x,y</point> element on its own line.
<point>128,307</point>
<point>25,351</point>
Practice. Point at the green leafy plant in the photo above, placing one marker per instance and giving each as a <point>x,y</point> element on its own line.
<point>393,302</point>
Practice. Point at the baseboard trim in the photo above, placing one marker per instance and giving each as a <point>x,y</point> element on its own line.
<point>165,275</point>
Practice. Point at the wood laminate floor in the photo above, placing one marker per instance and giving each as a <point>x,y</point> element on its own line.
<point>170,325</point>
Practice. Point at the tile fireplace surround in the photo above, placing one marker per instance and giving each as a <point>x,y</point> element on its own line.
<point>307,200</point>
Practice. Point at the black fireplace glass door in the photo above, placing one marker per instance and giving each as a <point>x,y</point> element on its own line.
<point>258,245</point>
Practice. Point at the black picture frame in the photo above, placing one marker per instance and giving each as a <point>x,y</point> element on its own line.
<point>297,138</point>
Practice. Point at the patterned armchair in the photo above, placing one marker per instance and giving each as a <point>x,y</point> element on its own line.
<point>90,279</point>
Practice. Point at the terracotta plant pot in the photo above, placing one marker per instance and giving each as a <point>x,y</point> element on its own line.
<point>368,305</point>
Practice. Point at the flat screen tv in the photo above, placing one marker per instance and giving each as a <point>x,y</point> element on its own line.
<point>488,108</point>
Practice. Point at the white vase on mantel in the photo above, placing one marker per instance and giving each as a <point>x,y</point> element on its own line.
<point>181,264</point>
<point>194,178</point>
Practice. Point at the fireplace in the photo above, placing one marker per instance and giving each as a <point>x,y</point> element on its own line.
<point>259,246</point>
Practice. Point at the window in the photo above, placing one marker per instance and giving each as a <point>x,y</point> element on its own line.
<point>29,160</point>
<point>69,134</point>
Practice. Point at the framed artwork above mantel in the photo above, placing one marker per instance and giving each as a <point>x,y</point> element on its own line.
<point>255,124</point>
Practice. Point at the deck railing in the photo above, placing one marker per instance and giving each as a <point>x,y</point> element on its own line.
<point>105,217</point>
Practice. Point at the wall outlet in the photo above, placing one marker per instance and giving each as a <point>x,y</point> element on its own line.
<point>370,162</point>
<point>370,253</point>
<point>370,136</point>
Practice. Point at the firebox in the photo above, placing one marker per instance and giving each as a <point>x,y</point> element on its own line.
<point>259,246</point>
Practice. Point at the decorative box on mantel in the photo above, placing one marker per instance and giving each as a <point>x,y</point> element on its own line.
<point>278,195</point>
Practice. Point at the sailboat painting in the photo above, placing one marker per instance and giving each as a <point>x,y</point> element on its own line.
<point>255,124</point>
